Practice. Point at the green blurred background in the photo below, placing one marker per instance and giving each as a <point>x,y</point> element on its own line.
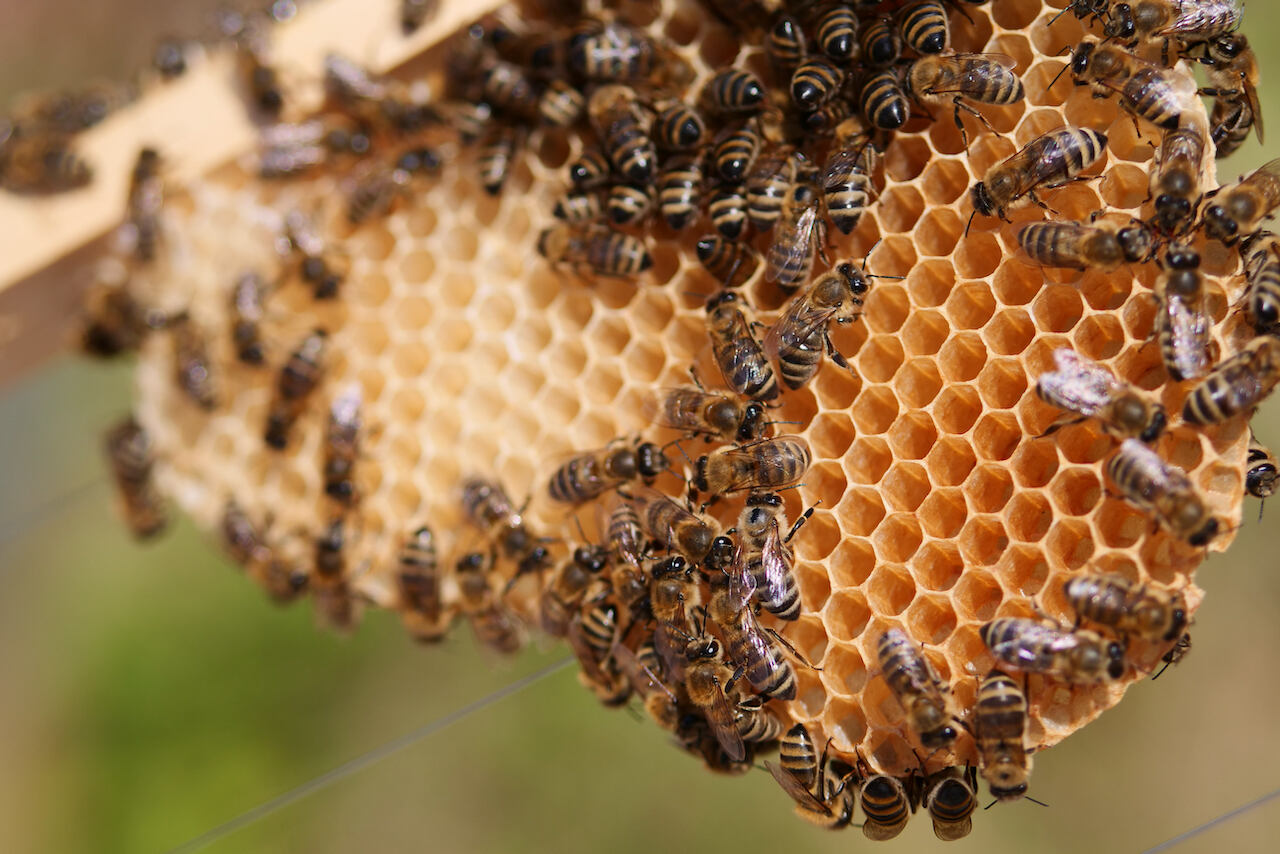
<point>152,693</point>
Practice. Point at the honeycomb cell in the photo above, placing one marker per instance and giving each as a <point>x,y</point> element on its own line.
<point>1084,443</point>
<point>1034,464</point>
<point>1028,517</point>
<point>1124,186</point>
<point>939,232</point>
<point>861,511</point>
<point>1002,383</point>
<point>912,436</point>
<point>1009,332</point>
<point>918,383</point>
<point>1071,542</point>
<point>890,589</point>
<point>849,669</point>
<point>874,410</point>
<point>887,310</point>
<point>905,162</point>
<point>983,540</point>
<point>846,725</point>
<point>930,282</point>
<point>821,532</point>
<point>978,256</point>
<point>970,305</point>
<point>942,513</point>
<point>950,461</point>
<point>894,256</point>
<point>989,488</point>
<point>962,357</point>
<point>1057,308</point>
<point>900,208</point>
<point>831,434</point>
<point>1098,337</point>
<point>923,333</point>
<point>906,486</point>
<point>976,596</point>
<point>851,563</point>
<point>931,618</point>
<point>846,615</point>
<point>1105,291</point>
<point>957,408</point>
<point>1076,491</point>
<point>937,565</point>
<point>1024,570</point>
<point>869,460</point>
<point>879,358</point>
<point>897,537</point>
<point>1017,284</point>
<point>808,636</point>
<point>996,436</point>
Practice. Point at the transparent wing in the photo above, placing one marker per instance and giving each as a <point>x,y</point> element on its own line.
<point>1078,385</point>
<point>793,787</point>
<point>1190,335</point>
<point>792,246</point>
<point>775,565</point>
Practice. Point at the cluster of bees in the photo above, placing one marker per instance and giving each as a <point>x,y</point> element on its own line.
<point>669,606</point>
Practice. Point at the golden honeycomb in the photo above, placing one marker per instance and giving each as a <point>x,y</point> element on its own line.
<point>939,504</point>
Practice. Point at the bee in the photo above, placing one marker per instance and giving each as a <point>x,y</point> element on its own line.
<point>755,723</point>
<point>628,205</point>
<point>785,44</point>
<point>577,208</point>
<point>708,682</point>
<point>756,653</point>
<point>614,52</point>
<point>590,171</point>
<point>1261,472</point>
<point>1000,731</point>
<point>742,362</point>
<point>1237,209</point>
<point>1175,180</point>
<point>1233,82</point>
<point>39,162</point>
<point>282,581</point>
<point>169,59</point>
<point>802,774</point>
<point>497,157</point>
<point>560,105</point>
<point>356,90</point>
<point>951,796</point>
<point>796,238</point>
<point>592,635</point>
<point>1090,390</point>
<point>837,32</point>
<point>800,337</point>
<point>615,117</point>
<point>298,379</point>
<point>881,42</point>
<point>766,555</point>
<point>191,361</point>
<point>735,152</point>
<point>678,127</point>
<point>1236,384</point>
<point>675,527</point>
<point>1078,656</point>
<point>414,13</point>
<point>643,669</point>
<point>847,190</point>
<point>727,209</point>
<point>288,149</point>
<point>1048,161</point>
<point>734,90</point>
<point>815,81</point>
<point>330,550</point>
<point>341,445</point>
<point>762,464</point>
<point>317,266</point>
<point>924,26</point>
<point>883,101</point>
<point>679,184</point>
<point>1111,600</point>
<point>131,455</point>
<point>589,475</point>
<point>382,186</point>
<point>488,507</point>
<point>261,79</point>
<point>1181,324</point>
<point>731,262</point>
<point>114,322</point>
<point>493,624</point>
<point>985,78</point>
<point>419,580</point>
<point>508,89</point>
<point>917,687</point>
<point>247,298</point>
<point>597,249</point>
<point>1163,490</point>
<point>1180,649</point>
<point>469,120</point>
<point>674,595</point>
<point>1185,20</point>
<point>710,414</point>
<point>767,187</point>
<point>563,594</point>
<point>887,802</point>
<point>1081,247</point>
<point>146,197</point>
<point>1159,95</point>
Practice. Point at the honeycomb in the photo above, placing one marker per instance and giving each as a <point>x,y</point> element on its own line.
<point>939,504</point>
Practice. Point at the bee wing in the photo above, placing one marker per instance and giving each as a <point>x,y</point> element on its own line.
<point>792,245</point>
<point>976,79</point>
<point>767,166</point>
<point>1079,384</point>
<point>1150,475</point>
<point>642,678</point>
<point>586,657</point>
<point>797,325</point>
<point>1190,334</point>
<point>720,717</point>
<point>1251,98</point>
<point>1191,17</point>
<point>793,787</point>
<point>1269,169</point>
<point>775,562</point>
<point>841,162</point>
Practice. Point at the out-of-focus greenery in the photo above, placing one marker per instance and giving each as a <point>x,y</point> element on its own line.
<point>151,693</point>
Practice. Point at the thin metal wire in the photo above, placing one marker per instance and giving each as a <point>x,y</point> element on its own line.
<point>1214,822</point>
<point>363,761</point>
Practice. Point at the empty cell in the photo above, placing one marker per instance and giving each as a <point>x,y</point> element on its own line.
<point>496,313</point>
<point>893,256</point>
<point>1070,543</point>
<point>937,565</point>
<point>643,361</point>
<point>417,267</point>
<point>979,255</point>
<point>808,636</point>
<point>1082,110</point>
<point>532,338</point>
<point>931,620</point>
<point>945,137</point>
<point>989,488</point>
<point>970,33</point>
<point>553,152</point>
<point>1028,516</point>
<point>830,435</point>
<point>1017,284</point>
<point>890,590</point>
<point>906,486</point>
<point>924,332</point>
<point>1002,383</point>
<point>1106,291</point>
<point>718,47</point>
<point>1126,142</point>
<point>939,232</point>
<point>559,404</point>
<point>983,540</point>
<point>1084,443</point>
<point>918,382</point>
<point>874,410</point>
<point>810,699</point>
<point>1010,332</point>
<point>1119,524</point>
<point>1125,186</point>
<point>1182,448</point>
<point>666,265</point>
<point>985,152</point>
<point>1037,81</point>
<point>844,671</point>
<point>814,586</point>
<point>957,408</point>
<point>567,360</point>
<point>851,563</point>
<point>845,724</point>
<point>846,615</point>
<point>861,511</point>
<point>1057,308</point>
<point>886,309</point>
<point>371,337</point>
<point>970,305</point>
<point>996,436</point>
<point>879,358</point>
<point>608,336</point>
<point>1076,491</point>
<point>407,405</point>
<point>651,311</point>
<point>912,436</point>
<point>899,208</point>
<point>410,359</point>
<point>420,221</point>
<point>1141,365</point>
<point>949,461</point>
<point>869,460</point>
<point>962,357</point>
<point>977,596</point>
<point>601,384</point>
<point>1166,557</point>
<point>683,25</point>
<point>835,388</point>
<point>1117,563</point>
<point>897,537</point>
<point>1024,570</point>
<point>945,181</point>
<point>1221,479</point>
<point>1034,463</point>
<point>458,290</point>
<point>461,244</point>
<point>930,282</point>
<point>943,511</point>
<point>1098,337</point>
<point>542,286</point>
<point>825,482</point>
<point>906,158</point>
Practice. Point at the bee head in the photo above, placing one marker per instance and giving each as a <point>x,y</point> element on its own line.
<point>1120,23</point>
<point>982,202</point>
<point>1177,625</point>
<point>1115,660</point>
<point>1159,420</point>
<point>1206,533</point>
<point>650,460</point>
<point>1081,57</point>
<point>752,426</point>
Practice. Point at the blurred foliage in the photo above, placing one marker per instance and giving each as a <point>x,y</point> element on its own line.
<point>153,693</point>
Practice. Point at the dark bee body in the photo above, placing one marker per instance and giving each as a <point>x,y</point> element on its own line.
<point>418,577</point>
<point>1232,69</point>
<point>497,156</point>
<point>146,197</point>
<point>764,666</point>
<point>129,452</point>
<point>1000,731</point>
<point>261,79</point>
<point>951,796</point>
<point>643,668</point>
<point>881,42</point>
<point>169,59</point>
<point>1182,326</point>
<point>732,262</point>
<point>741,360</point>
<point>578,208</point>
<point>678,127</point>
<point>563,595</point>
<point>330,550</point>
<point>785,44</point>
<point>614,115</point>
<point>1080,656</point>
<point>1142,610</point>
<point>768,185</point>
<point>319,267</point>
<point>590,170</point>
<point>488,507</point>
<point>508,89</point>
<point>596,249</point>
<point>674,595</point>
<point>727,209</point>
<point>709,414</point>
<point>887,804</point>
<point>800,337</point>
<point>883,101</point>
<point>766,556</point>
<point>591,637</point>
<point>1078,246</point>
<point>755,723</point>
<point>247,298</point>
<point>1048,161</point>
<point>414,13</point>
<point>1176,180</point>
<point>1235,385</point>
<point>298,378</point>
<point>1163,491</point>
<point>494,625</point>
<point>191,361</point>
<point>1148,91</point>
<point>984,78</point>
<point>589,475</point>
<point>627,205</point>
<point>924,26</point>
<point>802,774</point>
<point>1185,20</point>
<point>675,527</point>
<point>246,545</point>
<point>38,161</point>
<point>560,105</point>
<point>917,687</point>
<point>1238,209</point>
<point>735,152</point>
<point>796,237</point>
<point>734,91</point>
<point>115,322</point>
<point>815,81</point>
<point>837,32</point>
<point>342,446</point>
<point>762,464</point>
<point>614,52</point>
<point>847,190</point>
<point>1090,390</point>
<point>707,681</point>
<point>1261,470</point>
<point>381,187</point>
<point>626,549</point>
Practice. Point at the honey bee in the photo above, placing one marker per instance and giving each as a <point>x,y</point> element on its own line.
<point>675,527</point>
<point>887,803</point>
<point>1048,161</point>
<point>469,120</point>
<point>341,445</point>
<point>488,507</point>
<point>260,78</point>
<point>802,774</point>
<point>1237,209</point>
<point>414,13</point>
<point>317,265</point>
<point>1181,647</point>
<point>702,413</point>
<point>735,152</point>
<point>590,171</point>
<point>330,550</point>
<point>1181,325</point>
<point>924,26</point>
<point>800,337</point>
<point>1081,247</point>
<point>643,669</point>
<point>378,190</point>
<point>762,464</point>
<point>191,361</point>
<point>587,476</point>
<point>917,687</point>
<point>985,78</point>
<point>497,156</point>
<point>577,208</point>
<point>615,116</point>
<point>1000,730</point>
<point>493,624</point>
<point>169,59</point>
<point>298,379</point>
<point>837,32</point>
<point>678,127</point>
<point>883,101</point>
<point>951,796</point>
<point>881,42</point>
<point>1163,490</point>
<point>146,197</point>
<point>114,322</point>
<point>1185,20</point>
<point>614,52</point>
<point>39,162</point>
<point>674,595</point>
<point>563,594</point>
<point>288,149</point>
<point>847,190</point>
<point>1260,254</point>
<point>595,249</point>
<point>1077,656</point>
<point>734,90</point>
<point>560,105</point>
<point>815,81</point>
<point>767,187</point>
<point>1175,180</point>
<point>733,263</point>
<point>1261,470</point>
<point>785,44</point>
<point>727,209</point>
<point>1236,384</point>
<point>508,89</point>
<point>246,545</point>
<point>756,653</point>
<point>592,636</point>
<point>419,580</point>
<point>755,723</point>
<point>766,555</point>
<point>1111,600</point>
<point>1159,95</point>
<point>130,453</point>
<point>708,682</point>
<point>247,298</point>
<point>796,238</point>
<point>1090,390</point>
<point>1232,69</point>
<point>737,352</point>
<point>628,205</point>
<point>679,184</point>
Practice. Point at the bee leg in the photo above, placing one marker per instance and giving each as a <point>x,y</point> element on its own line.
<point>795,653</point>
<point>799,523</point>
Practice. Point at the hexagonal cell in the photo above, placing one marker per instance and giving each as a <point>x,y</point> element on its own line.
<point>1070,543</point>
<point>1117,563</point>
<point>815,587</point>
<point>880,358</point>
<point>1165,557</point>
<point>1024,569</point>
<point>886,309</point>
<point>939,232</point>
<point>861,510</point>
<point>977,596</point>
<point>868,460</point>
<point>1076,491</point>
<point>1141,366</point>
<point>1057,308</point>
<point>1124,186</point>
<point>821,532</point>
<point>809,636</point>
<point>943,512</point>
<point>1017,284</point>
<point>1009,332</point>
<point>978,255</point>
<point>1119,524</point>
<point>1221,479</point>
<point>983,540</point>
<point>996,436</point>
<point>989,488</point>
<point>846,615</point>
<point>897,538</point>
<point>1099,337</point>
<point>957,408</point>
<point>845,724</point>
<point>1105,291</point>
<point>931,618</point>
<point>1016,14</point>
<point>912,435</point>
<point>944,181</point>
<point>874,410</point>
<point>851,563</point>
<point>811,698</point>
<point>962,357</point>
<point>1002,383</point>
<point>930,282</point>
<point>830,434</point>
<point>900,207</point>
<point>937,565</point>
<point>890,589</point>
<point>918,382</point>
<point>836,388</point>
<point>924,332</point>
<point>1034,463</point>
<point>1028,517</point>
<point>970,305</point>
<point>1084,443</point>
<point>1042,89</point>
<point>848,672</point>
<point>906,486</point>
<point>1182,450</point>
<point>950,461</point>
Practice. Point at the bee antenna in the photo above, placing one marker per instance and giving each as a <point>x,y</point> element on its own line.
<point>970,223</point>
<point>1052,82</point>
<point>993,803</point>
<point>1034,801</point>
<point>578,522</point>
